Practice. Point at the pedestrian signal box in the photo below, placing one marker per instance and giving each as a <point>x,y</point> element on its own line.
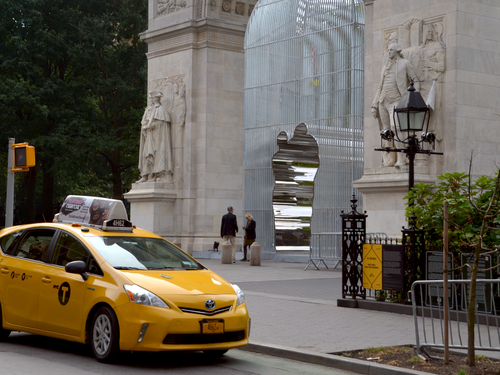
<point>24,157</point>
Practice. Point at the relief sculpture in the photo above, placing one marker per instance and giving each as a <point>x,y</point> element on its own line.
<point>170,6</point>
<point>421,43</point>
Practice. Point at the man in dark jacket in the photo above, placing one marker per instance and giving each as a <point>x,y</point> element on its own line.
<point>228,229</point>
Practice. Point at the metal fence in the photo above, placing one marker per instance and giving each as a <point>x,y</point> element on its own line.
<point>428,315</point>
<point>325,246</point>
<point>304,63</point>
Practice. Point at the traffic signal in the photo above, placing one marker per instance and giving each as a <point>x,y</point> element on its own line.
<point>24,157</point>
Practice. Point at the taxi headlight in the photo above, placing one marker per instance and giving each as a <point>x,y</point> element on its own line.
<point>143,296</point>
<point>239,293</point>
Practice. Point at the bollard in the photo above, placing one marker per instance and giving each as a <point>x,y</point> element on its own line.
<point>255,254</point>
<point>226,254</point>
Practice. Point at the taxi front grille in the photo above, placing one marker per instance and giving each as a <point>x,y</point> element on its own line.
<point>205,312</point>
<point>198,338</point>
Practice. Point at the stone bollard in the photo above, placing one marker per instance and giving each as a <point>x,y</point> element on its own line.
<point>226,253</point>
<point>255,254</point>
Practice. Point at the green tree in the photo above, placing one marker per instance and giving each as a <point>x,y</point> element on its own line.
<point>72,83</point>
<point>473,219</point>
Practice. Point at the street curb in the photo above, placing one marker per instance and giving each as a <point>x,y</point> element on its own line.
<point>343,363</point>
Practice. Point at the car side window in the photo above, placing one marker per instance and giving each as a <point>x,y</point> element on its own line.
<point>35,244</point>
<point>10,241</point>
<point>68,249</point>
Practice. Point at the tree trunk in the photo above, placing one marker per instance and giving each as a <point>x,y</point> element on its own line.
<point>471,353</point>
<point>29,179</point>
<point>48,196</point>
<point>116,173</point>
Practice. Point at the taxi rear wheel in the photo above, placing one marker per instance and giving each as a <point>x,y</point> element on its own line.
<point>4,333</point>
<point>104,335</point>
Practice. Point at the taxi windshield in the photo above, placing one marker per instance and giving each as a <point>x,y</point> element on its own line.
<point>142,253</point>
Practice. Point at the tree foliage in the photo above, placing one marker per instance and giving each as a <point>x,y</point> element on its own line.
<point>473,224</point>
<point>468,202</point>
<point>72,84</point>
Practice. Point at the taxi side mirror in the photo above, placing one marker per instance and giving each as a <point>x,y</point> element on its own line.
<point>77,266</point>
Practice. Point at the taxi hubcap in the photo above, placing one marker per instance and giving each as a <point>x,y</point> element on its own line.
<point>102,334</point>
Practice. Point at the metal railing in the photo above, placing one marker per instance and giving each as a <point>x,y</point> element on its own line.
<point>428,315</point>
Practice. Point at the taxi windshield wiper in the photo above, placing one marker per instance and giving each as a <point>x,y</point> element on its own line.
<point>127,268</point>
<point>161,268</point>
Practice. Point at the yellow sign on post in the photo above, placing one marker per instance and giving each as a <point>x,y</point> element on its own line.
<point>372,266</point>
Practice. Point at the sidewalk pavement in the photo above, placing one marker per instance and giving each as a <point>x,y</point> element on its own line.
<point>295,315</point>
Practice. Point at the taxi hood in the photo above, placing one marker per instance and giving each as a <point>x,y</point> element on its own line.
<point>182,282</point>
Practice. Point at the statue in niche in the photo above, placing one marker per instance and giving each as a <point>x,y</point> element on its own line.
<point>294,168</point>
<point>155,153</point>
<point>397,72</point>
<point>170,6</point>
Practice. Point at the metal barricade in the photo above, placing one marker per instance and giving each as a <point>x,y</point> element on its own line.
<point>428,315</point>
<point>325,246</point>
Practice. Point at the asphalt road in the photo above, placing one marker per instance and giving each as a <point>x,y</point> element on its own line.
<point>36,355</point>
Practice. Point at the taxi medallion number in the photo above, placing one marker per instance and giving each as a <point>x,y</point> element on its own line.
<point>212,326</point>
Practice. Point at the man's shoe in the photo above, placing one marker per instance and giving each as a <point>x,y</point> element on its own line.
<point>234,260</point>
<point>244,260</point>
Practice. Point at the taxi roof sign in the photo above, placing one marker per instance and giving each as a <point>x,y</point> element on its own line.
<point>103,213</point>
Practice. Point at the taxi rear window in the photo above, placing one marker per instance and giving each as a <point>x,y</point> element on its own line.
<point>9,242</point>
<point>142,253</point>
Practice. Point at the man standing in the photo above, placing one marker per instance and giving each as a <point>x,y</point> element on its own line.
<point>395,79</point>
<point>228,229</point>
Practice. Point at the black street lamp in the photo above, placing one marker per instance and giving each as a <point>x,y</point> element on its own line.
<point>412,115</point>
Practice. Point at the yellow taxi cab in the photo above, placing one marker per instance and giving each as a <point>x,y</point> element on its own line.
<point>92,277</point>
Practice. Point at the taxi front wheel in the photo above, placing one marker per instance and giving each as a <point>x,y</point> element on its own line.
<point>104,335</point>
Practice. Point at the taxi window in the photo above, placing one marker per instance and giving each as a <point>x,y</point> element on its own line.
<point>69,249</point>
<point>142,253</point>
<point>35,244</point>
<point>9,241</point>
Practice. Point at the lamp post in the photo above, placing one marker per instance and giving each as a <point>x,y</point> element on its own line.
<point>411,116</point>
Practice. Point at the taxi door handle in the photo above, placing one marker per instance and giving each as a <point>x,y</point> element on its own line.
<point>46,280</point>
<point>5,271</point>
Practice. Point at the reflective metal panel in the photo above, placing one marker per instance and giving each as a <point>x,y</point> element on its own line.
<point>304,64</point>
<point>294,166</point>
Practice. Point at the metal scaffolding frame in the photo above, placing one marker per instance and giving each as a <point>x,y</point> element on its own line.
<point>304,63</point>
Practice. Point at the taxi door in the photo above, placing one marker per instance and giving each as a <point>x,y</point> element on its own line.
<point>21,275</point>
<point>62,295</point>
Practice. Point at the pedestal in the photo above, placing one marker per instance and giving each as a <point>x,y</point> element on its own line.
<point>153,207</point>
<point>383,191</point>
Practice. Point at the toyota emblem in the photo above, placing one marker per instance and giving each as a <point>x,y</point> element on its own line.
<point>210,304</point>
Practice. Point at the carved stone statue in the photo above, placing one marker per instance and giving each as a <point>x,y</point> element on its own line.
<point>395,78</point>
<point>155,154</point>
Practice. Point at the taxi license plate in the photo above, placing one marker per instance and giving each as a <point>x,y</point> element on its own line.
<point>212,326</point>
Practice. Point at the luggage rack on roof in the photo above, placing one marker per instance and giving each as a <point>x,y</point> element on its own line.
<point>101,213</point>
